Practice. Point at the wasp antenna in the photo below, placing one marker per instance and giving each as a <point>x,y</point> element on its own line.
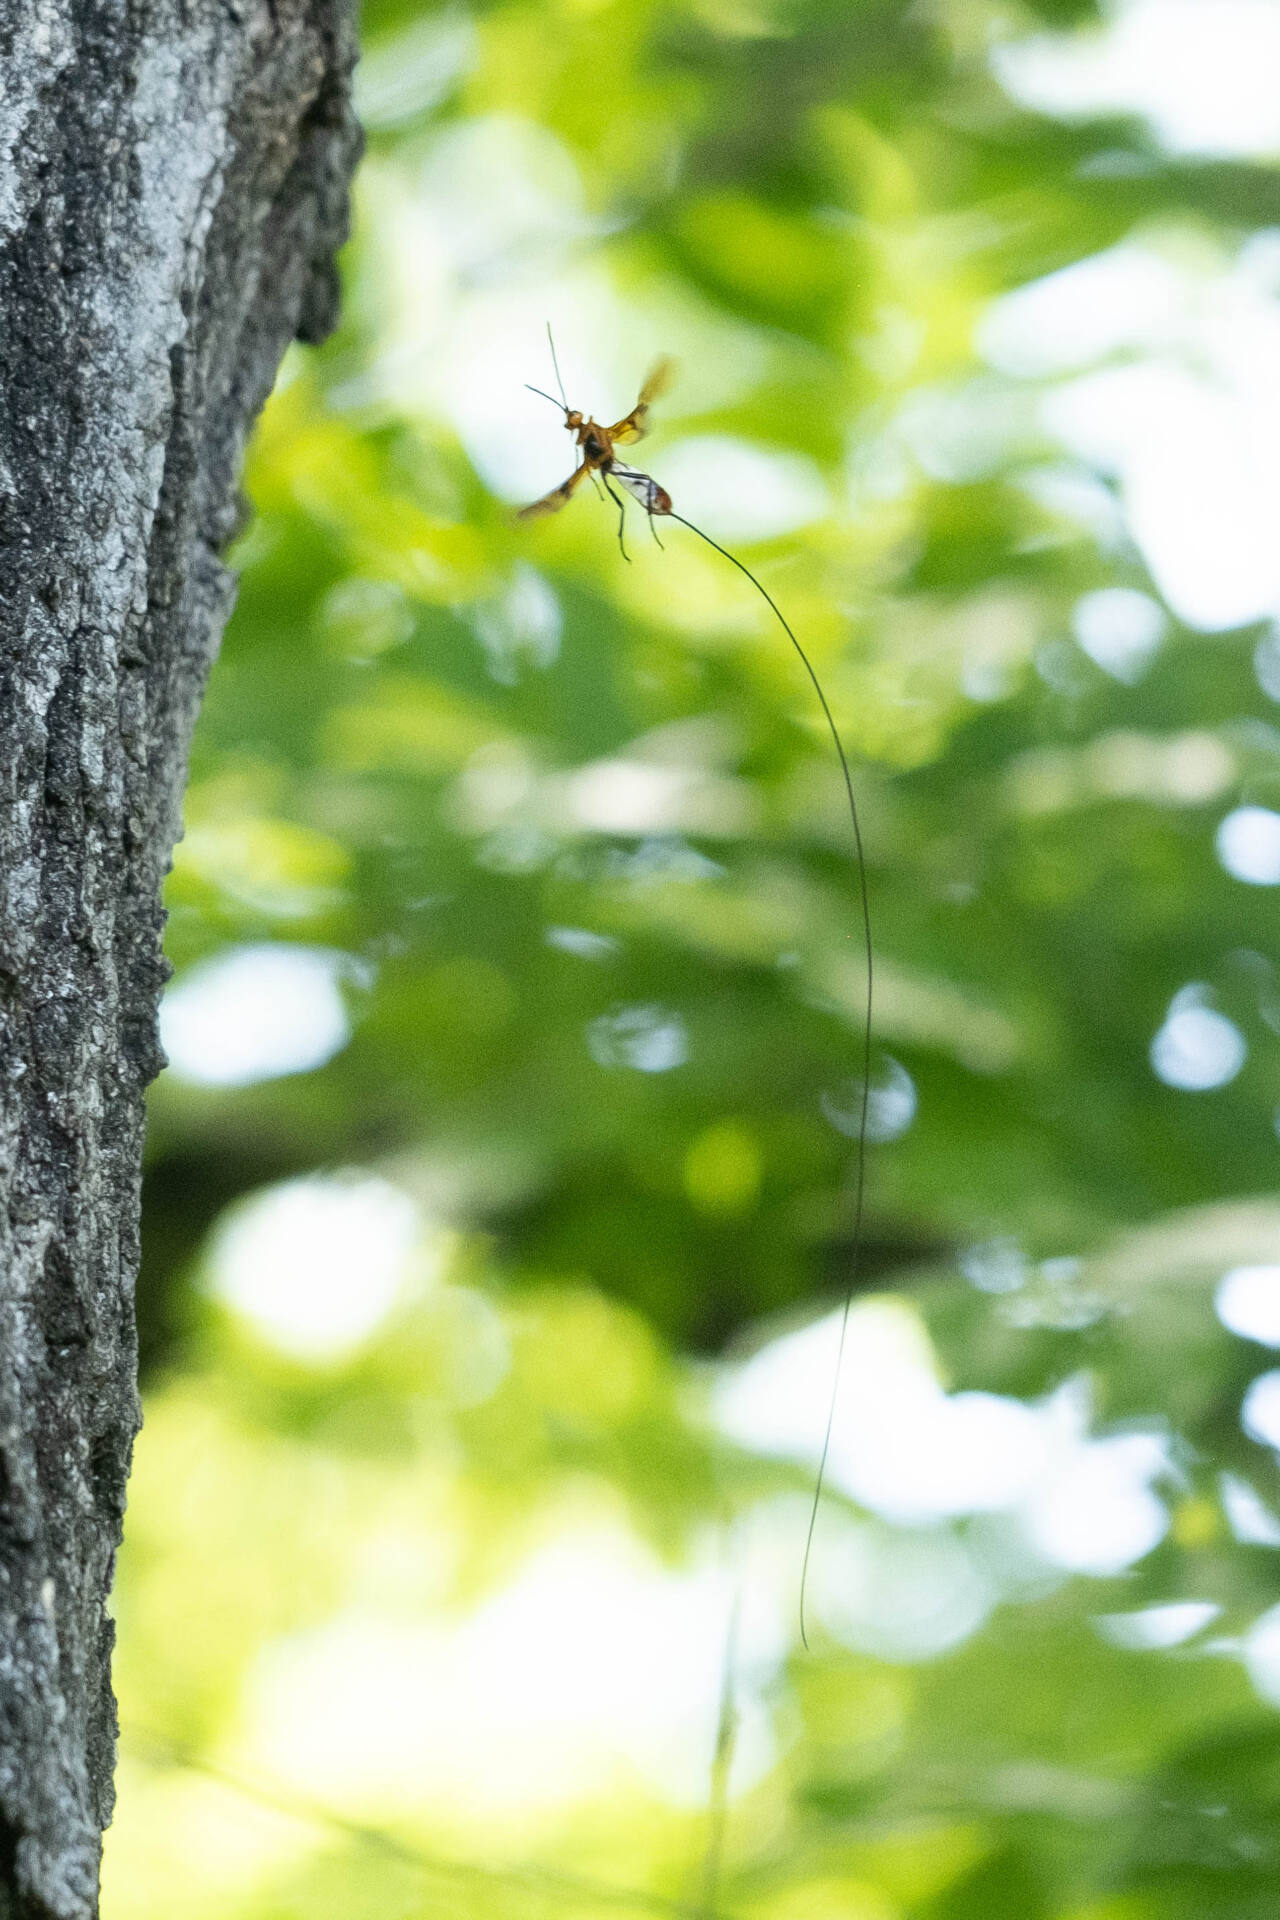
<point>860,1176</point>
<point>556,364</point>
<point>544,396</point>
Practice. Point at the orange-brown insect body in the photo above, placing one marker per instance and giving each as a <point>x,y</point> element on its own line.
<point>596,441</point>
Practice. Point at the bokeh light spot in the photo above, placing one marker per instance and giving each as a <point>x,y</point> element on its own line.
<point>592,1659</point>
<point>1154,1628</point>
<point>1248,845</point>
<point>891,1104</point>
<point>316,1264</point>
<point>722,1169</point>
<point>1261,1653</point>
<point>1248,1303</point>
<point>1266,663</point>
<point>255,1013</point>
<point>1120,629</point>
<point>1197,1048</point>
<point>1260,1411</point>
<point>648,1038</point>
<point>1202,74</point>
<point>739,491</point>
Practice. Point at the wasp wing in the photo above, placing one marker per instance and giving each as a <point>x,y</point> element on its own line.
<point>553,501</point>
<point>658,379</point>
<point>635,425</point>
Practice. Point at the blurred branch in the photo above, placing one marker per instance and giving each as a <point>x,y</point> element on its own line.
<point>158,1751</point>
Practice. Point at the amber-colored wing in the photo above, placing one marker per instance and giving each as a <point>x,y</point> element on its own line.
<point>635,426</point>
<point>553,501</point>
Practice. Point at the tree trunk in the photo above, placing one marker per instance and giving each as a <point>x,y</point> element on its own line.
<point>173,178</point>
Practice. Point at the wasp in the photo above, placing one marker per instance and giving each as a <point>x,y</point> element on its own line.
<point>596,446</point>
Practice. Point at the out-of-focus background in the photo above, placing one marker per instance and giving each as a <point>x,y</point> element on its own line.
<point>499,1201</point>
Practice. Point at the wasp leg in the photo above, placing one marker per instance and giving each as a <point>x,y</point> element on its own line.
<point>654,531</point>
<point>622,515</point>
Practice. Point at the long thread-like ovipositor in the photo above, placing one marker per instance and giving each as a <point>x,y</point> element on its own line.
<point>597,446</point>
<point>864,1104</point>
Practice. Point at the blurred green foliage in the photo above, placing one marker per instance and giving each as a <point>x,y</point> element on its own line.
<point>573,825</point>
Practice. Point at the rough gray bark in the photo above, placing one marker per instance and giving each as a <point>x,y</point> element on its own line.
<point>173,179</point>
